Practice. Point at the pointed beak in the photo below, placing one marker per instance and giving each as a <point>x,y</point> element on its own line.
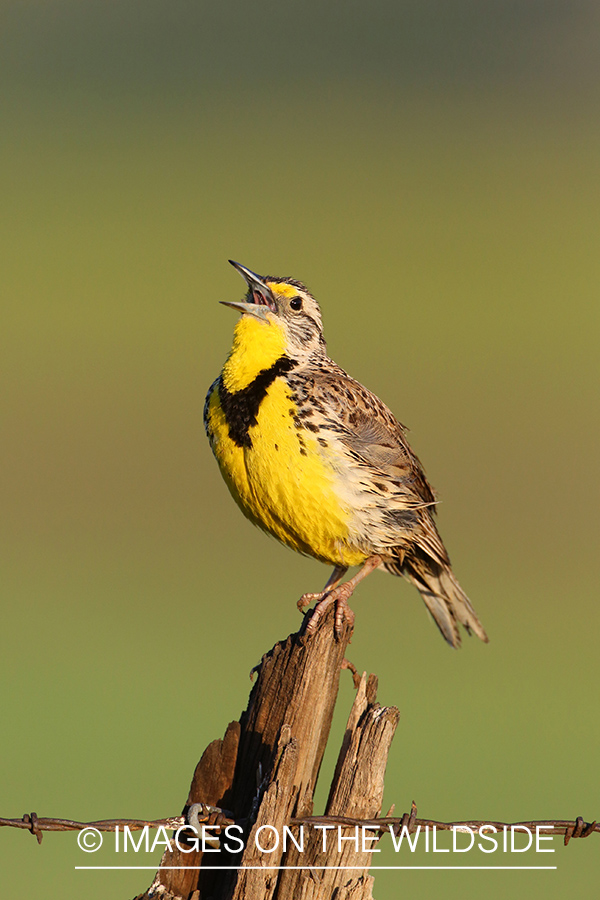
<point>261,297</point>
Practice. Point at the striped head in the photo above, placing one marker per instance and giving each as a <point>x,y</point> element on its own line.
<point>287,313</point>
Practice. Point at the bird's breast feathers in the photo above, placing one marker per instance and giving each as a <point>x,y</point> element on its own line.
<point>282,478</point>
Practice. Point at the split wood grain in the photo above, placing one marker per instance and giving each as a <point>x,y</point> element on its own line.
<point>265,771</point>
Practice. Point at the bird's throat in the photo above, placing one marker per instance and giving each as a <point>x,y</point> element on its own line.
<point>256,346</point>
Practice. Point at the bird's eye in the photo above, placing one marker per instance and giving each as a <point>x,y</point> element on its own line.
<point>296,303</point>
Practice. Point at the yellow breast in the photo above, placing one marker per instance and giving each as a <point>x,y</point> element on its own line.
<point>280,476</point>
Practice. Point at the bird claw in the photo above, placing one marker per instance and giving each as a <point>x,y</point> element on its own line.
<point>306,599</point>
<point>339,597</point>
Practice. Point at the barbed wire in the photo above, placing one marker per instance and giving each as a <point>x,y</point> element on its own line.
<point>204,814</point>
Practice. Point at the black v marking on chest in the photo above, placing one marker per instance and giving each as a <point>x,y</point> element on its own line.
<point>241,407</point>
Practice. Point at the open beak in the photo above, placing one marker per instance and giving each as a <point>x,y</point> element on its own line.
<point>261,298</point>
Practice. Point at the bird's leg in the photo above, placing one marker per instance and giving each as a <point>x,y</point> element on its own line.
<point>332,582</point>
<point>339,594</point>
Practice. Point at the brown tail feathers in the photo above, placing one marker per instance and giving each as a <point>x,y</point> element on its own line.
<point>442,594</point>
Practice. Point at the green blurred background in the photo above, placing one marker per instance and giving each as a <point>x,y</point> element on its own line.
<point>431,170</point>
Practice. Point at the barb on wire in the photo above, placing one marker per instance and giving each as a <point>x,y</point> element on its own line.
<point>36,824</point>
<point>203,814</point>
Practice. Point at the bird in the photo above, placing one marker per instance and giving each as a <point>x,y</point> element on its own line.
<point>318,461</point>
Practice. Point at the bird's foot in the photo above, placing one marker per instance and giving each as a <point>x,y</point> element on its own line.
<point>338,594</point>
<point>337,597</point>
<point>306,599</point>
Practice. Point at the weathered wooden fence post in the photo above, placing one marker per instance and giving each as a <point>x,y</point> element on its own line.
<point>265,771</point>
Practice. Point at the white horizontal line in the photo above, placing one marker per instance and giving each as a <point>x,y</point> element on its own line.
<point>277,868</point>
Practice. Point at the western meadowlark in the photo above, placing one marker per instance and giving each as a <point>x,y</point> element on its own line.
<point>315,459</point>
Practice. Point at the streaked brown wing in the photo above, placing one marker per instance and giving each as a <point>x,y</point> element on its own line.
<point>376,439</point>
<point>373,434</point>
